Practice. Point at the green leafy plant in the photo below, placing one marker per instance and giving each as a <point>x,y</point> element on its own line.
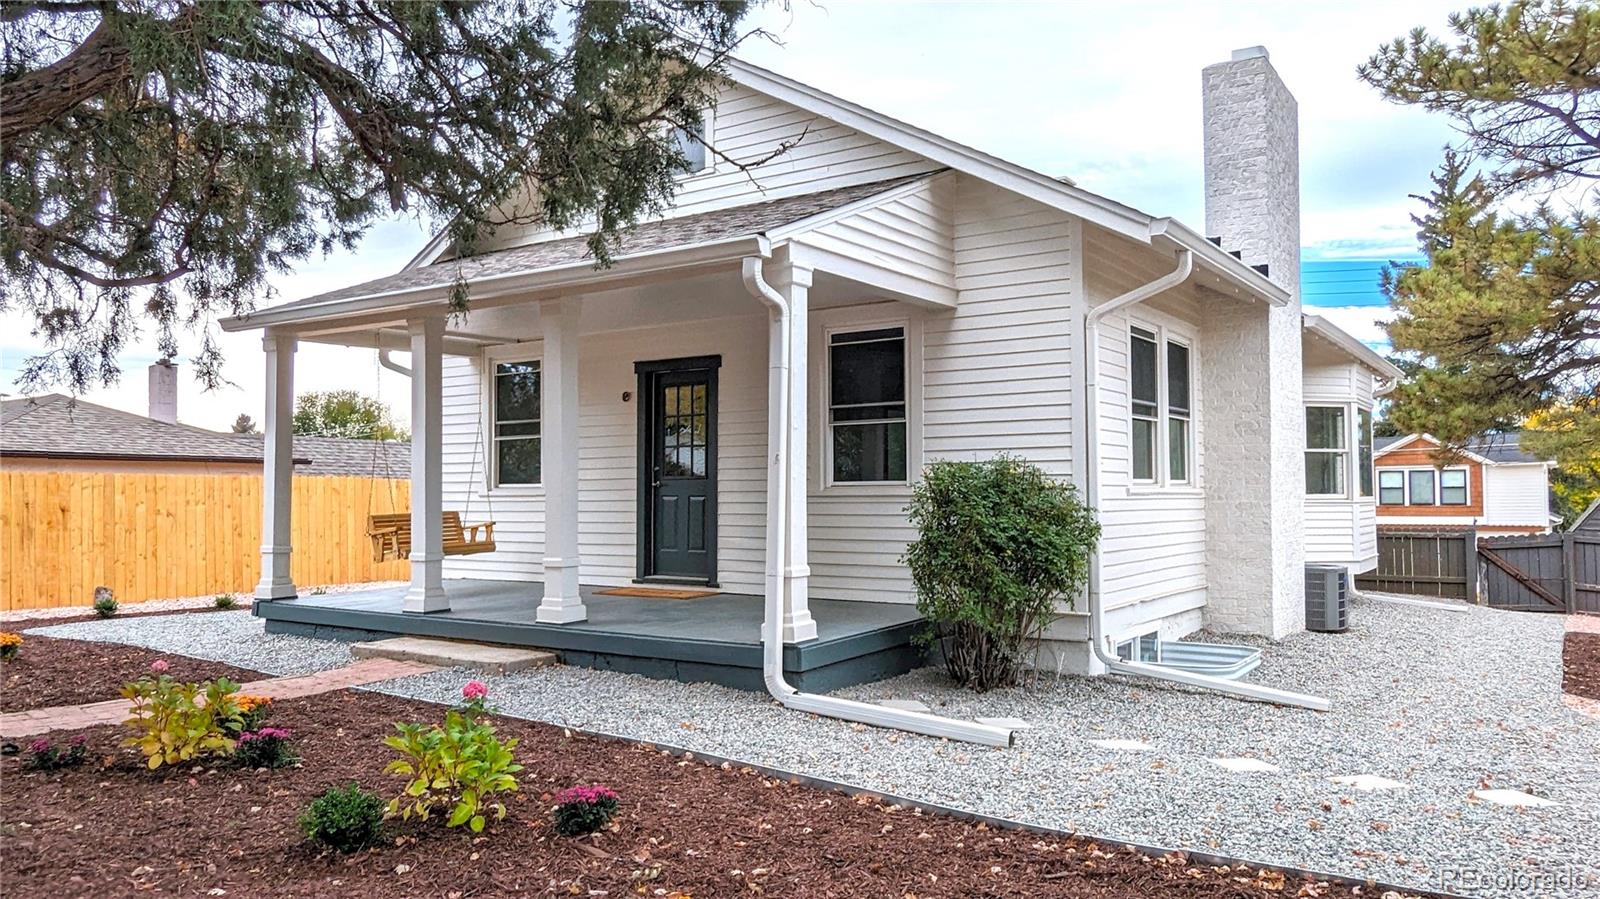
<point>584,810</point>
<point>461,766</point>
<point>225,601</point>
<point>1000,545</point>
<point>177,722</point>
<point>105,605</point>
<point>343,818</point>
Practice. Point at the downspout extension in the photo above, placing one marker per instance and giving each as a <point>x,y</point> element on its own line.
<point>1091,352</point>
<point>385,360</point>
<point>779,349</point>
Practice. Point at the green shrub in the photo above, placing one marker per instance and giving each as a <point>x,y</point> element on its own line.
<point>105,605</point>
<point>344,819</point>
<point>225,601</point>
<point>999,545</point>
<point>461,766</point>
<point>172,725</point>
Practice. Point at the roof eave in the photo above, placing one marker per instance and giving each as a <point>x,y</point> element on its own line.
<point>1219,261</point>
<point>582,274</point>
<point>1343,340</point>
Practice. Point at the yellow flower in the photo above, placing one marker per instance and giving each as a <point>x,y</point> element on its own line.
<point>9,639</point>
<point>245,702</point>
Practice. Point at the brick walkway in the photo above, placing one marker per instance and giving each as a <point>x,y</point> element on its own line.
<point>74,717</point>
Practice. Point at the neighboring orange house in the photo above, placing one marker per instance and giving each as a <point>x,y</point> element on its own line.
<point>1495,486</point>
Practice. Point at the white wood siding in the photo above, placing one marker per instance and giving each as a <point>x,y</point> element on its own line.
<point>1516,495</point>
<point>909,237</point>
<point>748,126</point>
<point>1153,544</point>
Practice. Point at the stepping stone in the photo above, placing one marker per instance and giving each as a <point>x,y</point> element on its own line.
<point>1008,723</point>
<point>452,654</point>
<point>1245,766</point>
<point>904,705</point>
<point>1368,782</point>
<point>1123,745</point>
<point>1511,797</point>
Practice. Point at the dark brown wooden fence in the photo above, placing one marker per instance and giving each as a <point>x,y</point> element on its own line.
<point>1425,562</point>
<point>1543,573</point>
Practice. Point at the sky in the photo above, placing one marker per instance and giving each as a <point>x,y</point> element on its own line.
<point>1108,94</point>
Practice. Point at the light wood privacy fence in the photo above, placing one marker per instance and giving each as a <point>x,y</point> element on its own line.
<point>153,536</point>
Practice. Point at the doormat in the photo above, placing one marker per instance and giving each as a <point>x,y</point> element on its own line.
<point>656,593</point>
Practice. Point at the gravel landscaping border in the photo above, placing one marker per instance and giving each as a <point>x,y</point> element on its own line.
<point>1445,703</point>
<point>234,638</point>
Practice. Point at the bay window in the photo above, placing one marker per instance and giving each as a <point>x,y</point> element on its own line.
<point>1327,450</point>
<point>1364,445</point>
<point>867,405</point>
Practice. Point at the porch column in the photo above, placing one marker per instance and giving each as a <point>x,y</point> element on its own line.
<point>794,282</point>
<point>558,461</point>
<point>277,469</point>
<point>427,491</point>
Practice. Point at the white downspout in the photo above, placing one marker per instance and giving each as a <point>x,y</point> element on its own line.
<point>385,360</point>
<point>777,537</point>
<point>1091,398</point>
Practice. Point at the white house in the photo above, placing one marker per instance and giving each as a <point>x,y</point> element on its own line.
<point>745,397</point>
<point>1493,486</point>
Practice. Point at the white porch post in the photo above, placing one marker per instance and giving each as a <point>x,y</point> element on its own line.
<point>427,491</point>
<point>277,470</point>
<point>558,462</point>
<point>794,282</point>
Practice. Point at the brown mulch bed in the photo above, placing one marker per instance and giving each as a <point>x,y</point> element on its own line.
<point>1580,665</point>
<point>685,829</point>
<point>50,671</point>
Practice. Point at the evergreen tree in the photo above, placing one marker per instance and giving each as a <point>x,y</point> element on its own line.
<point>244,424</point>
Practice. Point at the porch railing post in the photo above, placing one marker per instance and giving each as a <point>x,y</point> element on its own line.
<point>562,602</point>
<point>277,470</point>
<point>427,490</point>
<point>794,282</point>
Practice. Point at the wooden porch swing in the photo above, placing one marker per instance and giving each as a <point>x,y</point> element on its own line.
<point>391,531</point>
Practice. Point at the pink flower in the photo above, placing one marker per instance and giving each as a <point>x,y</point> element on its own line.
<point>159,666</point>
<point>593,794</point>
<point>39,745</point>
<point>474,690</point>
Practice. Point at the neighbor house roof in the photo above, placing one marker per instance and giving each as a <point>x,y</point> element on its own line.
<point>748,222</point>
<point>1492,449</point>
<point>59,427</point>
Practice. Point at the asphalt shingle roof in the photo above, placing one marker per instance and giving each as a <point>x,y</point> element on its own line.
<point>57,426</point>
<point>706,227</point>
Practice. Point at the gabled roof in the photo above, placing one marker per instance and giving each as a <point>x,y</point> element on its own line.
<point>750,222</point>
<point>55,426</point>
<point>1488,449</point>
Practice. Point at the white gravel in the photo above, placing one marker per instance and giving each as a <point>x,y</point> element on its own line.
<point>1444,703</point>
<point>237,638</point>
<point>172,604</point>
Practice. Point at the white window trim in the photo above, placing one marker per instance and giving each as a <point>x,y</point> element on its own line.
<point>530,351</point>
<point>826,323</point>
<point>826,405</point>
<point>1132,642</point>
<point>1438,486</point>
<point>1352,476</point>
<point>1161,464</point>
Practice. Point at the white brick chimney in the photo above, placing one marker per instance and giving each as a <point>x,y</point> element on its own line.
<point>1250,355</point>
<point>164,391</point>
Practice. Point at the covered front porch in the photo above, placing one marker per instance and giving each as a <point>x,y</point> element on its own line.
<point>645,423</point>
<point>715,639</point>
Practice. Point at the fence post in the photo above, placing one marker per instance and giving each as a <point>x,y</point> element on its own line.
<point>1569,572</point>
<point>1474,569</point>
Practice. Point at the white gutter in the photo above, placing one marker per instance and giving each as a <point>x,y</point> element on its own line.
<point>1091,353</point>
<point>778,353</point>
<point>385,361</point>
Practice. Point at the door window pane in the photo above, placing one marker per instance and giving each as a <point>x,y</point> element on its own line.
<point>1453,487</point>
<point>516,423</point>
<point>1392,488</point>
<point>685,426</point>
<point>1421,482</point>
<point>867,404</point>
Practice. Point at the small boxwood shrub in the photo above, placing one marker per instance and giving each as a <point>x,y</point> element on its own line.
<point>584,810</point>
<point>1000,544</point>
<point>343,818</point>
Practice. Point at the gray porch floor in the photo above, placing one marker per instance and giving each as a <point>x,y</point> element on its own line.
<point>714,638</point>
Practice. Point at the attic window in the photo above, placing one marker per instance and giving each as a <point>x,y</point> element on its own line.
<point>691,143</point>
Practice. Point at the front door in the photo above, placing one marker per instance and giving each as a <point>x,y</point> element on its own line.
<point>678,469</point>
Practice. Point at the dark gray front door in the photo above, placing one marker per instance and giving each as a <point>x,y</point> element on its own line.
<point>677,469</point>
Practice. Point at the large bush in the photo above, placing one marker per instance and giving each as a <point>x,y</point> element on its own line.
<point>1000,544</point>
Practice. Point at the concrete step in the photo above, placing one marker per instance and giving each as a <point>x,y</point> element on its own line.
<point>483,657</point>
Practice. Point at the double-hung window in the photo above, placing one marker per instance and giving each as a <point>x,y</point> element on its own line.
<point>1419,486</point>
<point>1327,450</point>
<point>1422,487</point>
<point>516,423</point>
<point>1391,487</point>
<point>1364,445</point>
<point>867,405</point>
<point>1161,408</point>
<point>1453,487</point>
